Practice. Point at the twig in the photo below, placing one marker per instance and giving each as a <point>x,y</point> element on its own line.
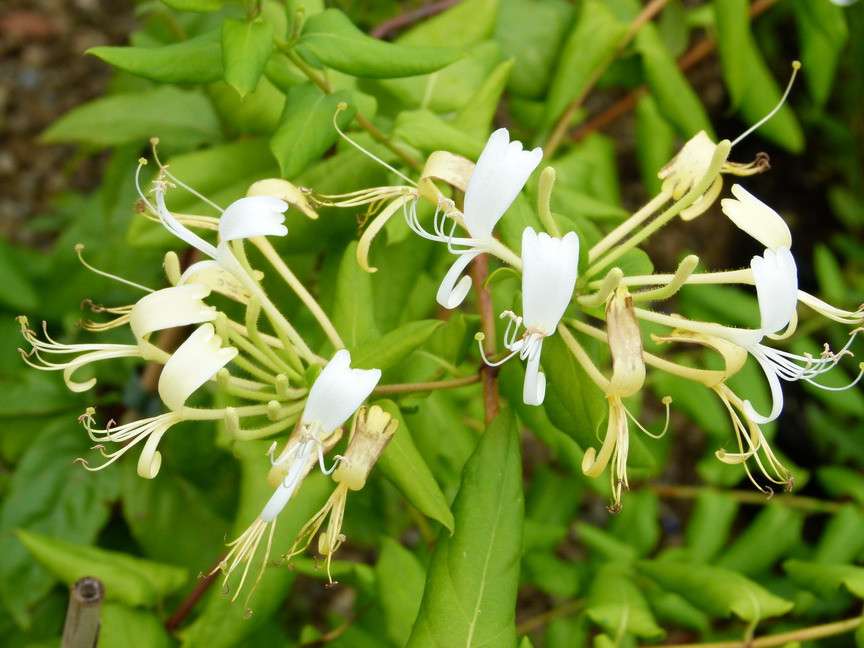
<point>811,504</point>
<point>410,17</point>
<point>81,629</point>
<point>432,385</point>
<point>195,595</point>
<point>479,274</point>
<point>793,636</point>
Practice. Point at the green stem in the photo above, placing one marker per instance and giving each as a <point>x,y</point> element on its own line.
<point>408,388</point>
<point>809,504</point>
<point>627,226</point>
<point>744,276</point>
<point>793,636</point>
<point>582,358</point>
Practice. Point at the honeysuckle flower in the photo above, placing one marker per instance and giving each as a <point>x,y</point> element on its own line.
<point>498,177</point>
<point>169,308</point>
<point>336,394</point>
<point>549,267</point>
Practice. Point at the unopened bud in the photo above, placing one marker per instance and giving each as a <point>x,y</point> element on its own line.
<point>373,431</point>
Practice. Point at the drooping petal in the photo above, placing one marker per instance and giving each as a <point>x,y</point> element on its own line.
<point>534,389</point>
<point>501,172</point>
<point>338,392</point>
<point>253,216</point>
<point>776,278</point>
<point>179,230</point>
<point>757,219</point>
<point>450,293</point>
<point>194,363</point>
<point>548,277</point>
<point>170,307</point>
<point>773,384</point>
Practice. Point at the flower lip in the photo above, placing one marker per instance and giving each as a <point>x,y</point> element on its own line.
<point>776,278</point>
<point>253,216</point>
<point>757,219</point>
<point>175,306</point>
<point>338,392</point>
<point>498,177</point>
<point>550,266</point>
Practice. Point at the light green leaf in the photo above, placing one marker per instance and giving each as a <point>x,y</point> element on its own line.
<point>133,581</point>
<point>842,540</point>
<point>390,349</point>
<point>463,25</point>
<point>590,46</point>
<point>336,42</point>
<point>197,60</point>
<point>733,29</point>
<point>824,579</point>
<point>125,627</point>
<point>713,515</point>
<point>605,544</point>
<point>246,48</point>
<point>400,578</point>
<point>476,116</point>
<point>823,33</point>
<point>403,465</point>
<point>306,130</point>
<point>675,99</point>
<point>354,311</point>
<point>719,592</point>
<point>617,605</point>
<point>427,132</point>
<point>770,536</point>
<point>201,6</point>
<point>472,581</point>
<point>655,142</point>
<point>183,118</point>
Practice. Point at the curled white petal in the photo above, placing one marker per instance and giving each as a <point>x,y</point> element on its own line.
<point>534,388</point>
<point>548,277</point>
<point>776,277</point>
<point>453,290</point>
<point>170,307</point>
<point>338,392</point>
<point>253,216</point>
<point>501,172</point>
<point>757,219</point>
<point>194,363</point>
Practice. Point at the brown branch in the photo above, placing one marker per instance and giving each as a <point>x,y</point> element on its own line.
<point>410,17</point>
<point>479,274</point>
<point>195,595</point>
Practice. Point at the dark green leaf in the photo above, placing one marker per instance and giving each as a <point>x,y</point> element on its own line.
<point>719,592</point>
<point>201,6</point>
<point>823,32</point>
<point>246,47</point>
<point>769,537</point>
<point>178,117</point>
<point>306,130</point>
<point>122,626</point>
<point>733,28</point>
<point>197,60</point>
<point>390,349</point>
<point>404,466</point>
<point>463,25</point>
<point>713,514</point>
<point>470,593</point>
<point>400,578</point>
<point>337,43</point>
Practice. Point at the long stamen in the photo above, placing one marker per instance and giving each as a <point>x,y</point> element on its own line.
<point>796,65</point>
<point>80,246</point>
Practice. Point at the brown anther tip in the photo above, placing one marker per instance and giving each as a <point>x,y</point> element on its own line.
<point>81,459</point>
<point>226,589</point>
<point>248,614</point>
<point>200,575</point>
<point>790,484</point>
<point>331,584</point>
<point>615,508</point>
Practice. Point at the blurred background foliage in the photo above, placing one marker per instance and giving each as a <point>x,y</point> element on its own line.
<point>611,89</point>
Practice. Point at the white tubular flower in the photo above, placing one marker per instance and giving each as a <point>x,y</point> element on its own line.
<point>336,395</point>
<point>253,216</point>
<point>776,278</point>
<point>498,177</point>
<point>194,363</point>
<point>170,307</point>
<point>757,219</point>
<point>549,267</point>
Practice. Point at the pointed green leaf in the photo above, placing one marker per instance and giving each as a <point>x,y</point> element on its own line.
<point>197,60</point>
<point>842,540</point>
<point>400,577</point>
<point>336,42</point>
<point>476,115</point>
<point>306,129</point>
<point>426,131</point>
<point>353,312</point>
<point>403,465</point>
<point>463,25</point>
<point>183,118</point>
<point>125,627</point>
<point>770,536</point>
<point>471,586</point>
<point>589,47</point>
<point>246,48</point>
<point>733,27</point>
<point>719,592</point>
<point>390,349</point>
<point>133,581</point>
<point>617,605</point>
<point>712,518</point>
<point>823,33</point>
<point>825,579</point>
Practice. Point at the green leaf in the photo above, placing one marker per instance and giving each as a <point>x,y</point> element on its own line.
<point>573,402</point>
<point>713,515</point>
<point>771,535</point>
<point>471,587</point>
<point>197,60</point>
<point>476,116</point>
<point>400,578</point>
<point>182,118</point>
<point>131,580</point>
<point>462,25</point>
<point>16,289</point>
<point>823,34</point>
<point>719,592</point>
<point>390,349</point>
<point>590,46</point>
<point>201,6</point>
<point>655,143</point>
<point>842,541</point>
<point>49,494</point>
<point>675,99</point>
<point>427,132</point>
<point>617,605</point>
<point>824,579</point>
<point>306,130</point>
<point>733,28</point>
<point>354,311</point>
<point>246,48</point>
<point>336,42</point>
<point>404,466</point>
<point>124,627</point>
